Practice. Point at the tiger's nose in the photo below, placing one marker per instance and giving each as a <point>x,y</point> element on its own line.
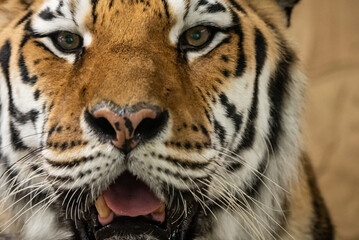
<point>128,130</point>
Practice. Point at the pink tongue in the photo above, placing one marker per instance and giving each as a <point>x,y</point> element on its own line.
<point>130,197</point>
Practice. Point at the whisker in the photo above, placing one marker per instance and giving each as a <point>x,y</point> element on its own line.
<point>21,212</point>
<point>22,138</point>
<point>255,171</point>
<point>236,206</point>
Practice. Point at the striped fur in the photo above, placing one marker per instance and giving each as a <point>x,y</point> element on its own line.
<point>233,140</point>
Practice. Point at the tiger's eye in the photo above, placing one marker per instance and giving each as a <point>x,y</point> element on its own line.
<point>197,36</point>
<point>68,41</point>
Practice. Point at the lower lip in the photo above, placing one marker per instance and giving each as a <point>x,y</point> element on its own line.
<point>124,226</point>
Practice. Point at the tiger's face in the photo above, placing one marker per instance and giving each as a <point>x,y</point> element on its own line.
<point>141,115</point>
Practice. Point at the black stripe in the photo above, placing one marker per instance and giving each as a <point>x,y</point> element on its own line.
<point>5,54</point>
<point>241,58</point>
<point>206,113</point>
<point>322,227</point>
<point>201,3</point>
<point>33,115</point>
<point>231,111</point>
<point>24,18</point>
<point>278,89</point>
<point>28,33</point>
<point>28,27</point>
<point>261,54</point>
<point>37,94</point>
<point>16,141</point>
<point>24,40</point>
<point>215,8</point>
<point>165,5</point>
<point>94,15</point>
<point>110,5</point>
<point>204,131</point>
<point>185,163</point>
<point>47,14</point>
<point>20,117</point>
<point>73,163</point>
<point>237,6</point>
<point>24,72</point>
<point>220,131</point>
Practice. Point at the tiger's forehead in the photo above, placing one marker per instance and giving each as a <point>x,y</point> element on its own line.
<point>78,15</point>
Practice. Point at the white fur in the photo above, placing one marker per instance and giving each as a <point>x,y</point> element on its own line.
<point>44,225</point>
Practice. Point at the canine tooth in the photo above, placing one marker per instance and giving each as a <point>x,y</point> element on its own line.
<point>103,210</point>
<point>161,209</point>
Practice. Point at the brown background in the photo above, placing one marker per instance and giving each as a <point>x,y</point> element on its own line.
<point>327,33</point>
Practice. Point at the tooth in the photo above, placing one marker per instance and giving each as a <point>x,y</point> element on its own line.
<point>161,209</point>
<point>103,210</point>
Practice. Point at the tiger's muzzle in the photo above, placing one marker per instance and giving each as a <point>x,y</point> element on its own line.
<point>128,209</point>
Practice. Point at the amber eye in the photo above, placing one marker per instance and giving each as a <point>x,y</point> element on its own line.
<point>197,36</point>
<point>68,42</point>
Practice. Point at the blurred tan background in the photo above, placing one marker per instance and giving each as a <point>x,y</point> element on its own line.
<point>327,33</point>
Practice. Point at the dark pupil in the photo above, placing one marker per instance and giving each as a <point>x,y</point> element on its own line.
<point>69,39</point>
<point>196,35</point>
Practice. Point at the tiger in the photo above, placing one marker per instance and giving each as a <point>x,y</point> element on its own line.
<point>154,120</point>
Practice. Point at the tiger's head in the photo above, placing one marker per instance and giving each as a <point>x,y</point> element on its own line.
<point>146,119</point>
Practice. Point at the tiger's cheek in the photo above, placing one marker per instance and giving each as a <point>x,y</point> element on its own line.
<point>49,91</point>
<point>51,71</point>
<point>217,69</point>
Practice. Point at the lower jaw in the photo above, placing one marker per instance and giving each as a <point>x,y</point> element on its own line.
<point>127,226</point>
<point>139,228</point>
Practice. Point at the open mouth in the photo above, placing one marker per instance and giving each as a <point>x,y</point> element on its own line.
<point>129,208</point>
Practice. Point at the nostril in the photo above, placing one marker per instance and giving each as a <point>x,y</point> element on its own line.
<point>105,127</point>
<point>126,131</point>
<point>149,127</point>
<point>101,126</point>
